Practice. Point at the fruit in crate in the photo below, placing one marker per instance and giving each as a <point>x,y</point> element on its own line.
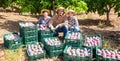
<point>12,36</point>
<point>34,49</point>
<point>52,42</point>
<point>112,54</point>
<point>27,24</point>
<point>93,41</point>
<point>74,35</point>
<point>79,52</point>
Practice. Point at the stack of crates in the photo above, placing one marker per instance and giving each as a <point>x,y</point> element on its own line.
<point>44,33</point>
<point>107,55</point>
<point>35,51</point>
<point>53,46</point>
<point>94,44</point>
<point>77,54</point>
<point>74,39</point>
<point>28,31</point>
<point>12,40</point>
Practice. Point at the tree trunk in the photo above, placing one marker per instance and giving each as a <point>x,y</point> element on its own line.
<point>107,15</point>
<point>53,6</point>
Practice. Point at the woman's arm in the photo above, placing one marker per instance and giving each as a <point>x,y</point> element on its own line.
<point>76,22</point>
<point>40,20</point>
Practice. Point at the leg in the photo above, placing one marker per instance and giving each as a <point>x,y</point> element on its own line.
<point>56,31</point>
<point>64,30</point>
<point>75,29</point>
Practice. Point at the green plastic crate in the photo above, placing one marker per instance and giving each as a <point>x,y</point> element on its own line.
<point>24,29</point>
<point>12,44</point>
<point>30,39</point>
<point>29,33</point>
<point>41,37</point>
<point>67,57</point>
<point>55,53</point>
<point>101,58</point>
<point>35,57</point>
<point>92,36</point>
<point>78,44</point>
<point>73,42</point>
<point>43,34</point>
<point>93,47</point>
<point>52,48</point>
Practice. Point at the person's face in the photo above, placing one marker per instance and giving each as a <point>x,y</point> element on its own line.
<point>45,14</point>
<point>60,12</point>
<point>70,14</point>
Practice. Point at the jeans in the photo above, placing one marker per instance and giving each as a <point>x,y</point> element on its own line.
<point>74,29</point>
<point>63,29</point>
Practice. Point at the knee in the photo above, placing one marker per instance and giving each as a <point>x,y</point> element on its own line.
<point>65,27</point>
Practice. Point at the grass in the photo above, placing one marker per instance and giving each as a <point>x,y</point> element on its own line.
<point>109,44</point>
<point>101,24</point>
<point>14,55</point>
<point>90,16</point>
<point>106,43</point>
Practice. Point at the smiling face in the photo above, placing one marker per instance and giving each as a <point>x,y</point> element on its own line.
<point>45,14</point>
<point>70,14</point>
<point>60,12</point>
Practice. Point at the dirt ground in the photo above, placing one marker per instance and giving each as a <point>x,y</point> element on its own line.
<point>89,24</point>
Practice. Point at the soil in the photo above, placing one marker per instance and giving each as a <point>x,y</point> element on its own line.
<point>89,24</point>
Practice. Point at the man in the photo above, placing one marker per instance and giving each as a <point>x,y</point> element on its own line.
<point>59,22</point>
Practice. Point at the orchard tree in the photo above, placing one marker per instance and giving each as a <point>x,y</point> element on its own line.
<point>7,3</point>
<point>77,5</point>
<point>103,6</point>
<point>35,6</point>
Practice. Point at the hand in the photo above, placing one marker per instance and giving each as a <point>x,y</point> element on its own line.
<point>51,27</point>
<point>59,25</point>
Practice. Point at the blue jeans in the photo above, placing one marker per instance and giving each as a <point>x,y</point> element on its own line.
<point>74,29</point>
<point>63,29</point>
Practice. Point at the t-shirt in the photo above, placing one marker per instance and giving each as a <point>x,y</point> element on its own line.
<point>73,22</point>
<point>42,21</point>
<point>55,20</point>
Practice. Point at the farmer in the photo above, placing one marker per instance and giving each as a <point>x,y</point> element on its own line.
<point>72,21</point>
<point>44,20</point>
<point>58,22</point>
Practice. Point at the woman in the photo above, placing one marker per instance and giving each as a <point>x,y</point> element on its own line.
<point>72,21</point>
<point>44,20</point>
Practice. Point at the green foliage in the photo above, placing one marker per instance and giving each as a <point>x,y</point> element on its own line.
<point>7,3</point>
<point>35,6</point>
<point>77,5</point>
<point>103,6</point>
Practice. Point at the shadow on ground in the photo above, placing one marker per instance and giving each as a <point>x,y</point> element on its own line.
<point>11,25</point>
<point>91,22</point>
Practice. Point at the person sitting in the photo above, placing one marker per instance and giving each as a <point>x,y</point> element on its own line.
<point>44,20</point>
<point>72,21</point>
<point>58,22</point>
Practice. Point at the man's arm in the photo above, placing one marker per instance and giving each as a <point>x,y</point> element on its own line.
<point>50,23</point>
